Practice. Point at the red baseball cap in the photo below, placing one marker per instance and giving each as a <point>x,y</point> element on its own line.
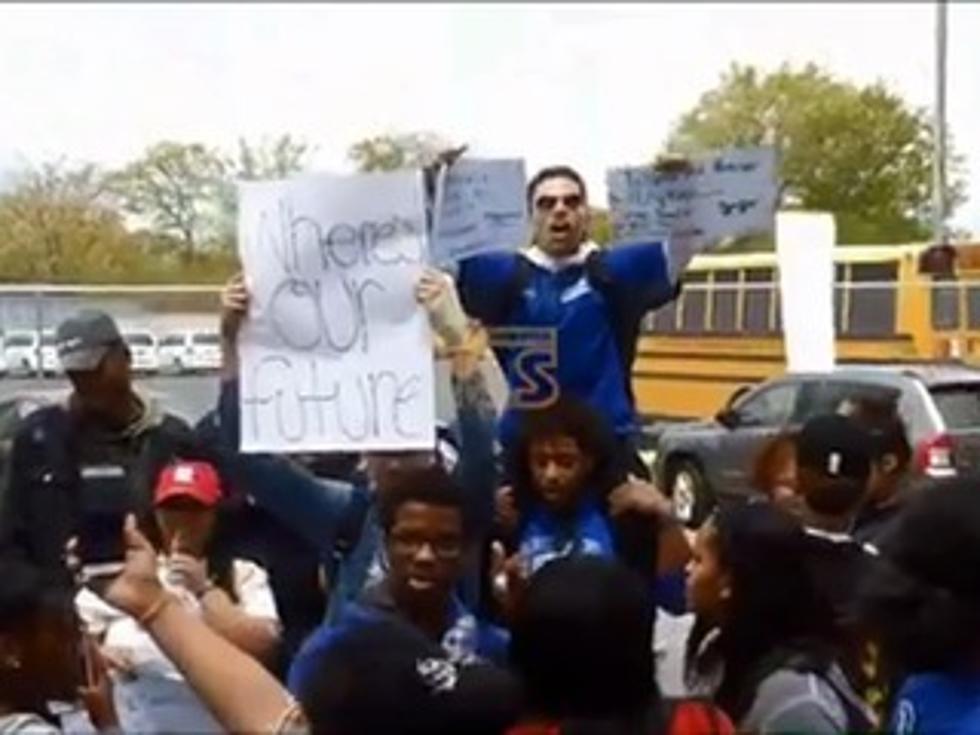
<point>196,480</point>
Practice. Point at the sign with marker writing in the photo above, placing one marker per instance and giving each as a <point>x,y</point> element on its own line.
<point>336,354</point>
<point>479,207</point>
<point>805,253</point>
<point>723,194</point>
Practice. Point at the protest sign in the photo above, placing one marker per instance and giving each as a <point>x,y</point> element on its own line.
<point>805,254</point>
<point>724,194</point>
<point>479,207</point>
<point>336,354</point>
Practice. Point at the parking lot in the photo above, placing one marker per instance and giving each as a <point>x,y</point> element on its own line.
<point>188,396</point>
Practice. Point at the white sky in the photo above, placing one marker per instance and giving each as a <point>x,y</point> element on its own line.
<point>590,85</point>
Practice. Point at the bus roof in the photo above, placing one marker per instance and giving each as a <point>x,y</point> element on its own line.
<point>842,254</point>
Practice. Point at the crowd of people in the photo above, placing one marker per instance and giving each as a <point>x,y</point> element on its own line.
<point>506,582</point>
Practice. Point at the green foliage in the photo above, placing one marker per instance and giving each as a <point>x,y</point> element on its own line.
<point>859,152</point>
<point>275,158</point>
<point>177,188</point>
<point>393,152</point>
<point>600,229</point>
<point>55,225</point>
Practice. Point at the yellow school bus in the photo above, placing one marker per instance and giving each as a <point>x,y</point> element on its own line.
<point>724,331</point>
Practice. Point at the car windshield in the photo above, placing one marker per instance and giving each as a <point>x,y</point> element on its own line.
<point>47,340</point>
<point>19,340</point>
<point>139,340</point>
<point>959,405</point>
<point>206,339</point>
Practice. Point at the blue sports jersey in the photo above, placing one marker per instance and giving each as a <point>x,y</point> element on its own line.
<point>937,704</point>
<point>559,297</point>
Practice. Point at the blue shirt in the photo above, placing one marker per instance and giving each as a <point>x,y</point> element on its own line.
<point>544,537</point>
<point>466,638</point>
<point>560,299</point>
<point>937,704</point>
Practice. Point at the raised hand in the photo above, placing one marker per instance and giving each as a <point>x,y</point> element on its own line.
<point>234,306</point>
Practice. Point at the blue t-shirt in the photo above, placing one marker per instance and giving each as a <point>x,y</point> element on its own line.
<point>545,537</point>
<point>560,300</point>
<point>937,704</point>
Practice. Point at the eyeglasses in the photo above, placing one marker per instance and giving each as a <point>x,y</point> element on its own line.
<point>547,203</point>
<point>445,549</point>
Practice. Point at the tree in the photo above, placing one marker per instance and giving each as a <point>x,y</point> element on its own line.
<point>276,158</point>
<point>392,152</point>
<point>177,187</point>
<point>859,152</point>
<point>600,229</point>
<point>56,225</point>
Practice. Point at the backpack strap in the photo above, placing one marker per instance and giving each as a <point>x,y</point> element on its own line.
<point>513,290</point>
<point>624,315</point>
<point>860,718</point>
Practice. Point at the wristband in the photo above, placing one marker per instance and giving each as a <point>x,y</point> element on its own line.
<point>153,612</point>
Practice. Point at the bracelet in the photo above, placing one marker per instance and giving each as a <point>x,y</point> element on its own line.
<point>292,720</point>
<point>151,614</point>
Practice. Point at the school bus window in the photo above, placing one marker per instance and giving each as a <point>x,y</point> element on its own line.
<point>873,299</point>
<point>757,300</point>
<point>695,299</point>
<point>840,296</point>
<point>973,307</point>
<point>724,301</point>
<point>945,304</point>
<point>664,319</point>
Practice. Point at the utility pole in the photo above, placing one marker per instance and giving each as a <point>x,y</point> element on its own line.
<point>940,235</point>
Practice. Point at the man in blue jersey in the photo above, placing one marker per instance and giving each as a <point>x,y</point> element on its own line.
<point>588,302</point>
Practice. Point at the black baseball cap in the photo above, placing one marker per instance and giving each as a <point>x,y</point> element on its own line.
<point>387,677</point>
<point>835,447</point>
<point>82,340</point>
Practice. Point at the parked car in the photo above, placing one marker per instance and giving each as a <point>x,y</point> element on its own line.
<point>50,362</point>
<point>702,463</point>
<point>143,348</point>
<point>20,351</point>
<point>181,352</point>
<point>205,350</point>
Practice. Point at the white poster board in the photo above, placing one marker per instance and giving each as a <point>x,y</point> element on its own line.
<point>479,207</point>
<point>805,253</point>
<point>724,194</point>
<point>336,354</point>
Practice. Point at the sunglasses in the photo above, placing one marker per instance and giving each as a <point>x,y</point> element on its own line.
<point>547,203</point>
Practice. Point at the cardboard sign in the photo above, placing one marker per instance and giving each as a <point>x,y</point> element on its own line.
<point>725,194</point>
<point>336,354</point>
<point>479,207</point>
<point>805,253</point>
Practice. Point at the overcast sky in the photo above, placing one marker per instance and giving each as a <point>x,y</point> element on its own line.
<point>589,85</point>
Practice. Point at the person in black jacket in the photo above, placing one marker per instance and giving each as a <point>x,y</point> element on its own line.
<point>104,433</point>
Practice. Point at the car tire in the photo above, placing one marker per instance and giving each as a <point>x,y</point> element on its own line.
<point>689,492</point>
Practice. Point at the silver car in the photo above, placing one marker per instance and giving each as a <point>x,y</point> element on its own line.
<point>700,463</point>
